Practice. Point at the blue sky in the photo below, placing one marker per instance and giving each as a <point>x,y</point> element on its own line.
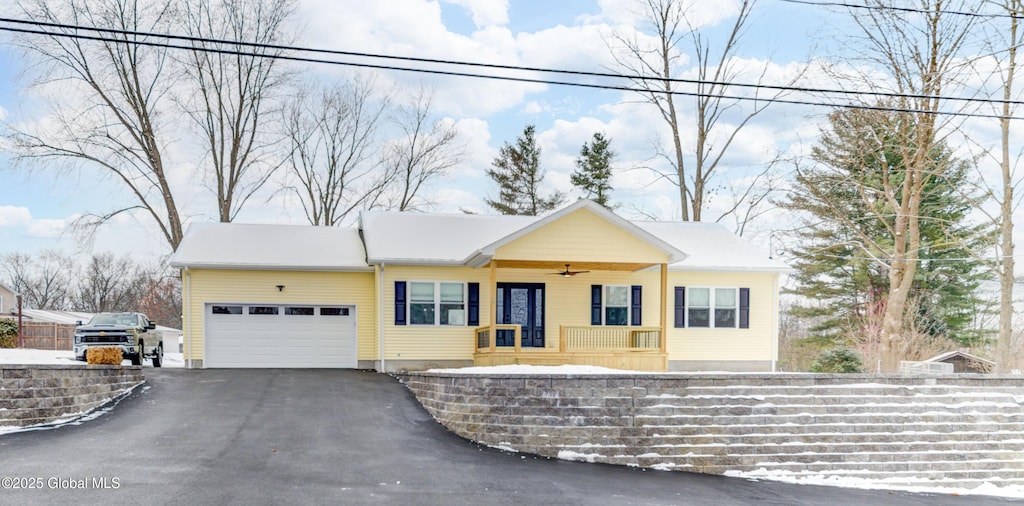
<point>36,207</point>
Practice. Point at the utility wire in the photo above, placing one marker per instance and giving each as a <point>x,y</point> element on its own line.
<point>905,9</point>
<point>467,74</point>
<point>633,77</point>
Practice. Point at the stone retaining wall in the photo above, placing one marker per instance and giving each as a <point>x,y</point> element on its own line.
<point>35,394</point>
<point>960,430</point>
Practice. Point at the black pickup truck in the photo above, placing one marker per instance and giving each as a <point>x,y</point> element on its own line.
<point>131,331</point>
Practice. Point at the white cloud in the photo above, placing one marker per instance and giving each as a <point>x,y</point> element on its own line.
<point>21,218</point>
<point>11,216</point>
<point>415,28</point>
<point>47,228</point>
<point>485,12</point>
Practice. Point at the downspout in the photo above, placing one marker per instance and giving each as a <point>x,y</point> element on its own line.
<point>380,317</point>
<point>188,313</point>
<point>775,322</point>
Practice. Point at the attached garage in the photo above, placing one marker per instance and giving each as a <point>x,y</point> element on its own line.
<point>280,335</point>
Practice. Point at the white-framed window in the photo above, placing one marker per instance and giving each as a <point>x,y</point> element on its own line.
<point>437,303</point>
<point>712,307</point>
<point>616,305</point>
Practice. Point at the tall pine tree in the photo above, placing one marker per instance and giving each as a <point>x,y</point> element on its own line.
<point>593,172</point>
<point>517,172</point>
<point>840,263</point>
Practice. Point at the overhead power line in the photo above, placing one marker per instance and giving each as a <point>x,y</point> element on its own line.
<point>987,15</point>
<point>455,73</point>
<point>632,77</point>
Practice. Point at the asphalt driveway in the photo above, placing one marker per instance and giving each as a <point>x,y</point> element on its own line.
<point>333,437</point>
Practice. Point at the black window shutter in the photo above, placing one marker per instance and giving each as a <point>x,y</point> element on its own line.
<point>744,308</point>
<point>473,318</point>
<point>680,307</point>
<point>636,305</point>
<point>595,304</point>
<point>399,302</point>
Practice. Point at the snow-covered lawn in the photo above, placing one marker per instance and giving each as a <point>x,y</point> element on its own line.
<point>564,369</point>
<point>537,369</point>
<point>34,357</point>
<point>987,488</point>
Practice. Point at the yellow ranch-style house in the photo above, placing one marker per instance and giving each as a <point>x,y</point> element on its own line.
<point>580,285</point>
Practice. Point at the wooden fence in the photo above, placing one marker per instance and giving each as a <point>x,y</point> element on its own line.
<point>47,336</point>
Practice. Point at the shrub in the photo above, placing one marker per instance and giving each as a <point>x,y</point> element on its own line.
<point>108,355</point>
<point>837,360</point>
<point>8,333</point>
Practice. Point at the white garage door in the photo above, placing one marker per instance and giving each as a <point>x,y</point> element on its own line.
<point>280,335</point>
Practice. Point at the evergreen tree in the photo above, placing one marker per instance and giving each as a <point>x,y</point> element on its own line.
<point>518,175</point>
<point>593,172</point>
<point>840,269</point>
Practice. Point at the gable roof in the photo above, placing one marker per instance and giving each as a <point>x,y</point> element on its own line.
<point>483,255</point>
<point>7,288</point>
<point>277,247</point>
<point>962,354</point>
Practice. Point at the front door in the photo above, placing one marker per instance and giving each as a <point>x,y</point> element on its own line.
<point>521,304</point>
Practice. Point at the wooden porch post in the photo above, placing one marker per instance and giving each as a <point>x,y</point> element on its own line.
<point>494,306</point>
<point>664,308</point>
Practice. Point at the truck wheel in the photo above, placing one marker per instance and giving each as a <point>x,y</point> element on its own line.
<point>137,358</point>
<point>158,356</point>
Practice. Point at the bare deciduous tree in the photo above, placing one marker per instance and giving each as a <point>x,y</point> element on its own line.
<point>675,29</point>
<point>233,93</point>
<point>330,135</point>
<point>1008,39</point>
<point>121,85</point>
<point>109,283</point>
<point>426,151</point>
<point>44,281</point>
<point>161,301</point>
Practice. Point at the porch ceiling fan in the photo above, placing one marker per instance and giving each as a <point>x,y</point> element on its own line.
<point>566,273</point>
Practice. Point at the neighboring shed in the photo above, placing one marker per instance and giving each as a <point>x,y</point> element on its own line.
<point>964,362</point>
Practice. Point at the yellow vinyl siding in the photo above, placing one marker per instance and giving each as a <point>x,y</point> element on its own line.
<point>581,236</point>
<point>247,286</point>
<point>567,303</point>
<point>431,342</point>
<point>727,344</point>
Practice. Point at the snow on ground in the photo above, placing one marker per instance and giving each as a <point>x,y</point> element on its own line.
<point>63,357</point>
<point>987,488</point>
<point>72,418</point>
<point>538,369</point>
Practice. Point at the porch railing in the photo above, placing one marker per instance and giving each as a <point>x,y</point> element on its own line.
<point>573,338</point>
<point>484,340</point>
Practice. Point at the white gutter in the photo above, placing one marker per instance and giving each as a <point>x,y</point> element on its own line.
<point>380,316</point>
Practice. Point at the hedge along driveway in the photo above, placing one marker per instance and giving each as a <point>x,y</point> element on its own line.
<point>336,436</point>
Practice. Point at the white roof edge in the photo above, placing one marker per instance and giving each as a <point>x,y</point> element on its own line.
<point>950,354</point>
<point>409,261</point>
<point>761,270</point>
<point>488,251</point>
<point>264,267</point>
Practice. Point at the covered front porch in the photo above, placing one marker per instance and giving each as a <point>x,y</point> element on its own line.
<point>581,286</point>
<point>633,348</point>
<point>554,323</point>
